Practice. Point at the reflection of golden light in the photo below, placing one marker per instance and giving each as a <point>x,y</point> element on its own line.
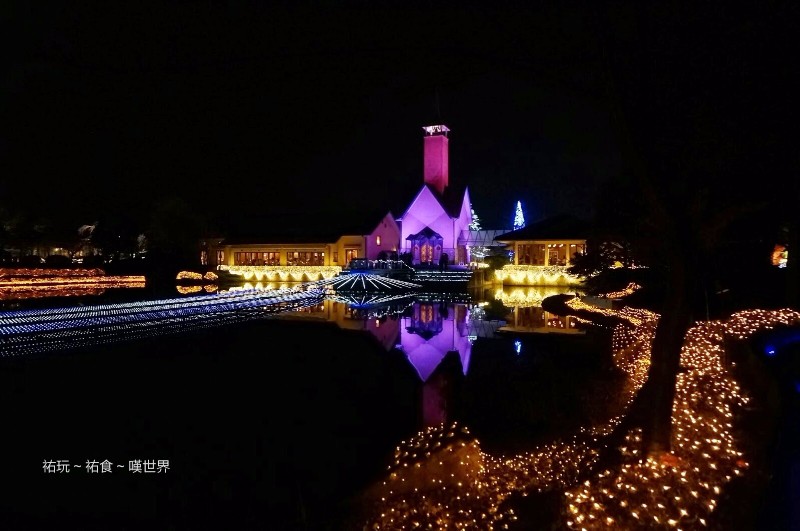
<point>425,313</point>
<point>185,290</point>
<point>526,297</point>
<point>283,273</point>
<point>533,275</point>
<point>37,292</point>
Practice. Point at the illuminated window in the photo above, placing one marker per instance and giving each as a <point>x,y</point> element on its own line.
<point>305,258</point>
<point>220,257</point>
<point>203,257</point>
<point>377,240</point>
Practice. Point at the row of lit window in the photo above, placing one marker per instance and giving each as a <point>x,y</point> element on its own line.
<point>557,253</point>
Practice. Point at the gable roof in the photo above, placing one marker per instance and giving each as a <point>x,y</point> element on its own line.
<point>560,227</point>
<point>450,201</point>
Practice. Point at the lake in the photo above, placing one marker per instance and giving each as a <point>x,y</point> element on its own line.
<point>282,422</point>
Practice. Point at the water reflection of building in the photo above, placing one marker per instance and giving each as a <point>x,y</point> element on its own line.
<point>526,313</point>
<point>435,337</point>
<point>436,340</point>
<point>433,330</point>
<point>383,323</point>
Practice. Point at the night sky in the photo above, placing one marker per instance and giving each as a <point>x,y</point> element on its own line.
<point>255,112</point>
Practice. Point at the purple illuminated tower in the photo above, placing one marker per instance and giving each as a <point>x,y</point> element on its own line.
<point>436,157</point>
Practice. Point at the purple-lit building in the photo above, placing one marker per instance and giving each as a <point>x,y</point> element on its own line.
<point>439,214</point>
<point>435,223</point>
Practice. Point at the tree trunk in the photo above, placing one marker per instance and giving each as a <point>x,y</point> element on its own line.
<point>793,263</point>
<point>665,359</point>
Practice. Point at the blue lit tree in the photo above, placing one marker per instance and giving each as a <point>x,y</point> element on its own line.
<point>519,217</point>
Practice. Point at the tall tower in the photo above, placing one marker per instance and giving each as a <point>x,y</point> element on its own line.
<point>436,157</point>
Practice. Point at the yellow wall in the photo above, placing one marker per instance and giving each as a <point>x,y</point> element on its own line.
<point>348,242</point>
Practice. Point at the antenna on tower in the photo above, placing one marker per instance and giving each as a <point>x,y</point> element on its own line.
<point>438,112</point>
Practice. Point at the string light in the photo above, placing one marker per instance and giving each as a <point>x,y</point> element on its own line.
<point>364,282</point>
<point>536,275</point>
<point>442,479</point>
<point>189,275</point>
<point>73,281</point>
<point>33,272</point>
<point>681,488</point>
<point>282,273</point>
<point>41,330</point>
<point>628,290</point>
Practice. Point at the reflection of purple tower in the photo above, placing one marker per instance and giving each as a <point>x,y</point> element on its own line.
<point>438,392</point>
<point>435,340</point>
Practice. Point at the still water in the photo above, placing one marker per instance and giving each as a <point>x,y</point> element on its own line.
<point>284,422</point>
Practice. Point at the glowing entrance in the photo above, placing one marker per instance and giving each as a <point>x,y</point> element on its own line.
<point>426,253</point>
<point>427,246</point>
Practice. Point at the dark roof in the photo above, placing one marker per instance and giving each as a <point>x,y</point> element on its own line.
<point>560,227</point>
<point>452,199</point>
<point>426,232</point>
<point>328,228</point>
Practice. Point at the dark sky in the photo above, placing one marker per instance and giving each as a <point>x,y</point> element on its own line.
<point>257,113</point>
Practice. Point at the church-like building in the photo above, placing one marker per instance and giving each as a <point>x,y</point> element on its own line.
<point>434,229</point>
<point>439,215</point>
<point>435,224</point>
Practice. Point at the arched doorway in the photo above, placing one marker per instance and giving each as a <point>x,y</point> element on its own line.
<point>427,246</point>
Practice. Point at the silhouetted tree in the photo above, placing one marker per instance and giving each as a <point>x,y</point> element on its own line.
<point>689,128</point>
<point>173,233</point>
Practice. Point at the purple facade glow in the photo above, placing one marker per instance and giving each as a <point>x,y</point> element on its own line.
<point>433,223</point>
<point>436,167</point>
<point>433,331</point>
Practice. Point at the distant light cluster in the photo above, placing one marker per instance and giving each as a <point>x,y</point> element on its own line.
<point>8,272</point>
<point>193,275</point>
<point>83,281</point>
